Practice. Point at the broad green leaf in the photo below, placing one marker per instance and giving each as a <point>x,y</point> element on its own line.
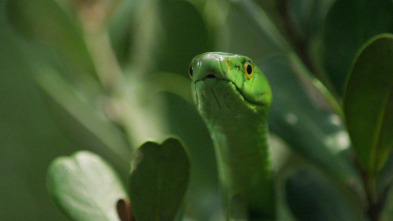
<point>310,196</point>
<point>158,180</point>
<point>45,21</point>
<point>349,24</point>
<point>368,103</point>
<point>85,187</point>
<point>316,135</point>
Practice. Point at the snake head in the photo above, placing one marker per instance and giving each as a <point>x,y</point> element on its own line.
<point>229,81</point>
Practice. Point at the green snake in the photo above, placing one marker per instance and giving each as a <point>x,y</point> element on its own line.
<point>233,97</point>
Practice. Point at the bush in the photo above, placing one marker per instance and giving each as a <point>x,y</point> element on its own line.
<point>113,75</point>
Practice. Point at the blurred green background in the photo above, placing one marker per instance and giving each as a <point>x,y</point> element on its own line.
<point>106,76</point>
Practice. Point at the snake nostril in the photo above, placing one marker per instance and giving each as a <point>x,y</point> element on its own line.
<point>211,76</point>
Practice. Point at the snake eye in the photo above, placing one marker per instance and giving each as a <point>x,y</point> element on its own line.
<point>248,70</point>
<point>191,71</point>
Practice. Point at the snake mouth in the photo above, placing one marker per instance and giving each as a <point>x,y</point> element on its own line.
<point>210,76</point>
<point>213,80</point>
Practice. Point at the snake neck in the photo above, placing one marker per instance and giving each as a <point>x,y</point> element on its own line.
<point>246,175</point>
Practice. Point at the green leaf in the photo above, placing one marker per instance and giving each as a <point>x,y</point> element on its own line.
<point>349,24</point>
<point>202,195</point>
<point>85,187</point>
<point>158,180</point>
<point>310,196</point>
<point>45,21</point>
<point>316,135</point>
<point>368,103</point>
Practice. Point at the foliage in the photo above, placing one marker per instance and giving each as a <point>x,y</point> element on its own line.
<point>107,76</point>
<point>158,180</point>
<point>85,187</point>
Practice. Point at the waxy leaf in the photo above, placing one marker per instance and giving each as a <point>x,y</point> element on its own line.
<point>85,187</point>
<point>315,135</point>
<point>158,180</point>
<point>368,103</point>
<point>349,24</point>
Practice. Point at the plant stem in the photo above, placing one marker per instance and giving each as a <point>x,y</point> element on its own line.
<point>107,67</point>
<point>375,204</point>
<point>372,209</point>
<point>121,100</point>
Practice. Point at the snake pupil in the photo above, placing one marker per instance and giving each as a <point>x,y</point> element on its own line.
<point>191,71</point>
<point>249,69</point>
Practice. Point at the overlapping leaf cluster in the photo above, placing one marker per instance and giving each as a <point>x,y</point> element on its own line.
<point>114,74</point>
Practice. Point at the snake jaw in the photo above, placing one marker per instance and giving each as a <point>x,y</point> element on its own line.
<point>216,96</point>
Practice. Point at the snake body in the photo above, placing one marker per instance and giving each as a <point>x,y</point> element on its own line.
<point>233,97</point>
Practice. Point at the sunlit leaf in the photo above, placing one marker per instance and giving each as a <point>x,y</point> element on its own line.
<point>85,187</point>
